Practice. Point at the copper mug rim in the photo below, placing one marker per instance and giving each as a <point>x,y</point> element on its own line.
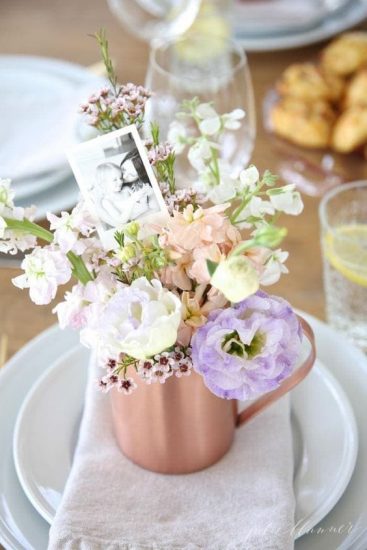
<point>287,385</point>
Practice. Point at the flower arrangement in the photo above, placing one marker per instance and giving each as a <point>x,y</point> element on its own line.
<point>186,296</point>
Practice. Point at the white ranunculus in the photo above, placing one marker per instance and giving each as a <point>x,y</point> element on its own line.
<point>236,278</point>
<point>140,320</point>
<point>286,199</point>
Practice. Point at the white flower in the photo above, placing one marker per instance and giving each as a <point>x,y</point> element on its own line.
<point>236,278</point>
<point>221,192</point>
<point>274,267</point>
<point>6,194</point>
<point>2,229</point>
<point>64,233</point>
<point>286,199</point>
<point>210,122</point>
<point>225,191</point>
<point>68,227</point>
<point>199,153</point>
<point>231,120</point>
<point>44,269</point>
<point>177,136</point>
<point>83,219</point>
<point>71,312</point>
<point>140,320</point>
<point>249,179</point>
<point>257,208</point>
<point>13,240</point>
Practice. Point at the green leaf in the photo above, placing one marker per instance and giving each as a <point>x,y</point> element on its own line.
<point>212,266</point>
<point>119,238</point>
<point>269,179</point>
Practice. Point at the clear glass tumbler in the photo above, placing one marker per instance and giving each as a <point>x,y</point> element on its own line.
<point>343,216</point>
<point>213,69</point>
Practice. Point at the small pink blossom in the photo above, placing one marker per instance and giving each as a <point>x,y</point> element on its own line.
<point>184,368</point>
<point>126,386</point>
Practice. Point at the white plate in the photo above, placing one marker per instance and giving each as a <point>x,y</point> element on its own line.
<point>251,17</point>
<point>63,196</point>
<point>21,526</point>
<point>326,440</point>
<point>46,93</point>
<point>28,187</point>
<point>353,13</point>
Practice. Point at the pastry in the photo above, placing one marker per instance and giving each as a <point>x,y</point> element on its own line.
<point>346,54</point>
<point>356,93</point>
<point>350,130</point>
<point>308,82</point>
<point>308,124</point>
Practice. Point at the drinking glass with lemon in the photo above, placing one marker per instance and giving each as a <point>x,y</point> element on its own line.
<point>343,215</point>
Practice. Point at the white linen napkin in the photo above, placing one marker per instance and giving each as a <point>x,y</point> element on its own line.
<point>245,501</point>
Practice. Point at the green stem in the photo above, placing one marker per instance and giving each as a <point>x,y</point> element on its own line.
<point>244,202</point>
<point>243,247</point>
<point>80,270</point>
<point>30,227</point>
<point>215,167</point>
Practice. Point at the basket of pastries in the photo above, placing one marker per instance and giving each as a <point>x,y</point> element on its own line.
<point>323,104</point>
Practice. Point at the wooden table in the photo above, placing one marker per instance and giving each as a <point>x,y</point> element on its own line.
<point>60,29</point>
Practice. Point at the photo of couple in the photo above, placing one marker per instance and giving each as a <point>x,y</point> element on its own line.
<point>116,180</point>
<point>123,192</point>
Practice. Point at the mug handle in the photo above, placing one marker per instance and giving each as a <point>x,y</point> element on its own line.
<point>288,384</point>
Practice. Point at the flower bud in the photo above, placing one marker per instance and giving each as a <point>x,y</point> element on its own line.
<point>236,278</point>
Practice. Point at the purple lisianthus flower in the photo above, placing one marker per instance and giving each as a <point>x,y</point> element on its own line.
<point>248,349</point>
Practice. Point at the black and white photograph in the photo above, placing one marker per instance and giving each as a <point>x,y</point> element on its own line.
<point>116,180</point>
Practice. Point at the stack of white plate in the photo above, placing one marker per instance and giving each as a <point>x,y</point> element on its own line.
<point>262,25</point>
<point>39,121</point>
<point>41,395</point>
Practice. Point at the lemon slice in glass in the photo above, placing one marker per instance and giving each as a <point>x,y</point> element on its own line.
<point>346,250</point>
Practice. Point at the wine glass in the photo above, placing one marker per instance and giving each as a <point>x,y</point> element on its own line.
<point>149,19</point>
<point>214,69</point>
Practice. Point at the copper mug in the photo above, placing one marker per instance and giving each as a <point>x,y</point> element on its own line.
<point>181,427</point>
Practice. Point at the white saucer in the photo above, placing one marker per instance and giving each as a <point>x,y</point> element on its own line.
<point>22,527</point>
<point>47,93</point>
<point>353,13</point>
<point>325,437</point>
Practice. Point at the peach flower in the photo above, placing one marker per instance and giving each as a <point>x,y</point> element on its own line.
<point>175,276</point>
<point>195,312</point>
<point>188,230</point>
<point>199,270</point>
